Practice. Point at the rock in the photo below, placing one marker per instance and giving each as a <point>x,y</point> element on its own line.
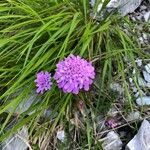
<point>117,87</point>
<point>145,37</point>
<point>113,4</point>
<point>147,16</point>
<point>143,7</point>
<point>124,6</point>
<point>134,89</point>
<point>141,40</point>
<point>146,76</point>
<point>61,135</point>
<point>133,116</point>
<point>145,100</point>
<point>141,140</point>
<point>25,104</point>
<point>18,141</point>
<point>131,80</point>
<point>148,84</point>
<point>99,6</point>
<point>147,68</point>
<point>129,6</point>
<point>48,114</point>
<point>139,62</point>
<point>134,71</point>
<point>112,142</point>
<point>141,82</point>
<point>139,93</point>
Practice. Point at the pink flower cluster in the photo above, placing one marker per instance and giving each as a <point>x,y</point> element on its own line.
<point>43,82</point>
<point>72,74</point>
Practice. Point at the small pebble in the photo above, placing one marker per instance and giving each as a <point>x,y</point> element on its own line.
<point>139,62</point>
<point>61,135</point>
<point>139,93</point>
<point>134,89</point>
<point>145,100</point>
<point>134,71</point>
<point>131,80</point>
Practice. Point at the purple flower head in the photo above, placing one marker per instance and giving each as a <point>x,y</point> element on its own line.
<point>73,74</point>
<point>43,82</point>
<point>112,123</point>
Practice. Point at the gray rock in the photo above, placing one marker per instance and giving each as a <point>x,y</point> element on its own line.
<point>141,140</point>
<point>146,76</point>
<point>124,6</point>
<point>134,89</point>
<point>141,82</point>
<point>61,135</point>
<point>18,141</point>
<point>139,93</point>
<point>117,87</point>
<point>148,84</point>
<point>131,80</point>
<point>147,16</point>
<point>134,71</point>
<point>133,116</point>
<point>141,40</point>
<point>112,142</point>
<point>128,6</point>
<point>147,68</point>
<point>143,7</point>
<point>25,104</point>
<point>99,6</point>
<point>145,37</point>
<point>113,4</point>
<point>145,100</point>
<point>139,62</point>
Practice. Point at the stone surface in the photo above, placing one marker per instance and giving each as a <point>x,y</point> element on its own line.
<point>99,6</point>
<point>141,140</point>
<point>146,76</point>
<point>147,68</point>
<point>141,82</point>
<point>139,62</point>
<point>128,6</point>
<point>113,4</point>
<point>147,16</point>
<point>133,116</point>
<point>18,141</point>
<point>112,142</point>
<point>25,104</point>
<point>145,100</point>
<point>61,135</point>
<point>117,87</point>
<point>124,6</point>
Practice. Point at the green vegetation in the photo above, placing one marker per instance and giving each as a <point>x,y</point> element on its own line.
<point>34,36</point>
